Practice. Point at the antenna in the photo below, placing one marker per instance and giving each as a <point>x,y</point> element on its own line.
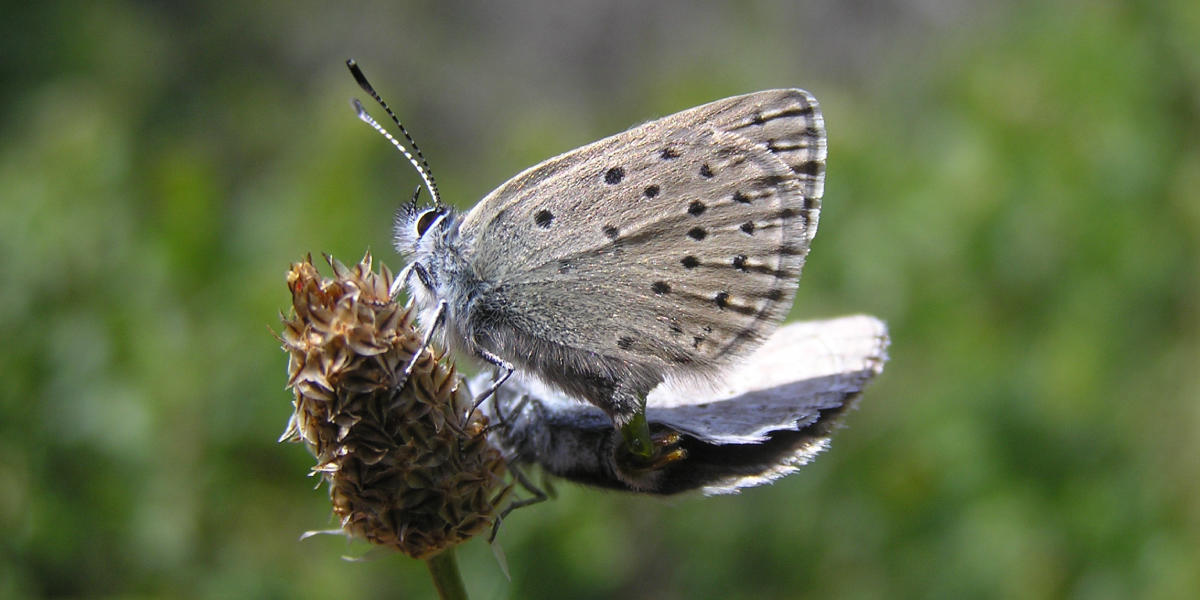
<point>418,162</point>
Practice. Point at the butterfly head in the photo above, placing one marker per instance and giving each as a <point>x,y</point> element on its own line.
<point>414,224</point>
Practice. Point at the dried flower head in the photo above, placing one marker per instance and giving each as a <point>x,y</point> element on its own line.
<point>404,466</point>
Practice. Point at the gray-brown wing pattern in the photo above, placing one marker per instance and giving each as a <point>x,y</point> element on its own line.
<point>676,244</point>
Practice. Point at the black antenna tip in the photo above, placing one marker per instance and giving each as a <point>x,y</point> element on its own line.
<point>359,77</point>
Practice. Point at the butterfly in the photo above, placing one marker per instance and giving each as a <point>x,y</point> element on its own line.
<point>662,253</point>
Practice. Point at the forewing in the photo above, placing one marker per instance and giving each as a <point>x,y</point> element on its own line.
<point>676,243</point>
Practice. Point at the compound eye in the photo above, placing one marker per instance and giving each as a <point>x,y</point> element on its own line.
<point>425,220</point>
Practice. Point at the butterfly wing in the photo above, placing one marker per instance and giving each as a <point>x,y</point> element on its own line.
<point>803,370</point>
<point>675,245</point>
<point>774,412</point>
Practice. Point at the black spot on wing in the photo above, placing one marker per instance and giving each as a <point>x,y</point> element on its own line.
<point>722,300</point>
<point>771,180</point>
<point>758,118</point>
<point>790,250</point>
<point>808,167</point>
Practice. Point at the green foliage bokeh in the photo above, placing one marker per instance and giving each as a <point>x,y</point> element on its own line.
<point>1015,190</point>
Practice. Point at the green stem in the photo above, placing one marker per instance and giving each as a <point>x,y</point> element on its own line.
<point>636,434</point>
<point>443,567</point>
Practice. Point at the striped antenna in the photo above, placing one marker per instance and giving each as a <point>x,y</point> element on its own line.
<point>418,162</point>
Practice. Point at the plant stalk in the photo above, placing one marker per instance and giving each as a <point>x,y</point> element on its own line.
<point>443,567</point>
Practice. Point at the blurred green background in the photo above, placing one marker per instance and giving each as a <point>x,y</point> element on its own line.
<point>1014,187</point>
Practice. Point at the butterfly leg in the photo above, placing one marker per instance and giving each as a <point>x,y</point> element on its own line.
<point>401,280</point>
<point>505,420</point>
<point>504,370</point>
<point>538,496</point>
<point>438,318</point>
